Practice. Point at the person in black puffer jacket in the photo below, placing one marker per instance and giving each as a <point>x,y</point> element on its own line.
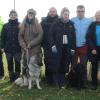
<point>62,41</point>
<point>10,44</point>
<point>46,24</point>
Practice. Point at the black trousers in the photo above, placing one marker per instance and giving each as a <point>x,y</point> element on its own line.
<point>94,62</point>
<point>49,76</point>
<point>64,65</point>
<point>94,73</point>
<point>14,59</point>
<point>1,65</point>
<point>49,64</point>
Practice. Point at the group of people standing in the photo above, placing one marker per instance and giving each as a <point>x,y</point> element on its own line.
<point>64,41</point>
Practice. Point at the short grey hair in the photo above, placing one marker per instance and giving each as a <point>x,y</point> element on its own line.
<point>80,7</point>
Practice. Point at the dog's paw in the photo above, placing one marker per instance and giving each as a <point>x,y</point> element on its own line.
<point>18,81</point>
<point>22,85</point>
<point>39,88</point>
<point>25,84</point>
<point>29,88</point>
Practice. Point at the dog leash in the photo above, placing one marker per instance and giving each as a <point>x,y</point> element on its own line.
<point>25,53</point>
<point>70,68</point>
<point>27,56</point>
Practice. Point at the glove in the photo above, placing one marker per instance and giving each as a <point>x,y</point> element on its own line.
<point>2,50</point>
<point>72,52</point>
<point>94,52</point>
<point>54,49</point>
<point>29,46</point>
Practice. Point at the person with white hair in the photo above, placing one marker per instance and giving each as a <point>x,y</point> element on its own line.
<point>93,40</point>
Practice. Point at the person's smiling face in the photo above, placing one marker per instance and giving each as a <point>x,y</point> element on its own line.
<point>13,16</point>
<point>52,12</point>
<point>30,15</point>
<point>65,15</point>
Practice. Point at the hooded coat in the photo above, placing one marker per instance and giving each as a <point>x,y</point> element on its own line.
<point>57,30</point>
<point>48,57</point>
<point>31,34</point>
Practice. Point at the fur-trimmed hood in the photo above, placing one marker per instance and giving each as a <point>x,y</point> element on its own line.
<point>31,34</point>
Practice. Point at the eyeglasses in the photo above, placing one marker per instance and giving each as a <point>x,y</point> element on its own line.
<point>80,11</point>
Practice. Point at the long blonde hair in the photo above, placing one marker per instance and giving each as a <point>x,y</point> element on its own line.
<point>65,9</point>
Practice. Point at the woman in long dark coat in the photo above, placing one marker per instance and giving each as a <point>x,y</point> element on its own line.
<point>62,43</point>
<point>46,24</point>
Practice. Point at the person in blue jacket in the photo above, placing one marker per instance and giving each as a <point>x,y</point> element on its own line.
<point>81,24</point>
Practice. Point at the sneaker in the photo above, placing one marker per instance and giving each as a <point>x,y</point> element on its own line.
<point>94,88</point>
<point>1,78</point>
<point>62,87</point>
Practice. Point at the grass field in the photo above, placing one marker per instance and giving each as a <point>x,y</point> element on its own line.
<point>10,91</point>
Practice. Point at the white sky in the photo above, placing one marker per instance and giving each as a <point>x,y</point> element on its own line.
<point>42,6</point>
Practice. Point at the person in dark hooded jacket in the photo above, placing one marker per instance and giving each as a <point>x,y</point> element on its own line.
<point>62,42</point>
<point>10,44</point>
<point>46,24</point>
<point>93,41</point>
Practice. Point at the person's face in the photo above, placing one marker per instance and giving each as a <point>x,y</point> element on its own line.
<point>97,16</point>
<point>65,15</point>
<point>52,12</point>
<point>13,16</point>
<point>81,13</point>
<point>30,16</point>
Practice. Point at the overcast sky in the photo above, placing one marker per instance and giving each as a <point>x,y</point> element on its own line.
<point>42,6</point>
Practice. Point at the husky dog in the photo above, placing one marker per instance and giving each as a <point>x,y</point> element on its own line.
<point>32,73</point>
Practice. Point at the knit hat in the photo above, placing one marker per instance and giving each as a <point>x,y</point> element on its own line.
<point>32,11</point>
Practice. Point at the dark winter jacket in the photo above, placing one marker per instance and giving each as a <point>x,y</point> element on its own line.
<point>55,37</point>
<point>46,24</point>
<point>9,37</point>
<point>59,29</point>
<point>91,39</point>
<point>91,35</point>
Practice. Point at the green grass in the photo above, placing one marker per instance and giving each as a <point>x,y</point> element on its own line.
<point>10,91</point>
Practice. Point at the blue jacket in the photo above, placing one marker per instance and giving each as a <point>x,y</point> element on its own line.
<point>81,27</point>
